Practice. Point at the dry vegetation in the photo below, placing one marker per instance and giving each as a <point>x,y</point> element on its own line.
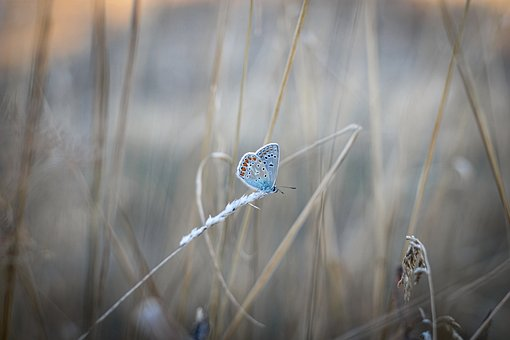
<point>121,123</point>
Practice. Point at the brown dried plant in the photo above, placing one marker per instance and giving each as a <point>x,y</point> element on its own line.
<point>413,265</point>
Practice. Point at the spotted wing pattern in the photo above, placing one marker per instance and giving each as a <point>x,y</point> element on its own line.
<point>259,170</point>
<point>270,156</point>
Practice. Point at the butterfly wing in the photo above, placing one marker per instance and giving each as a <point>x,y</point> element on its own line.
<point>269,154</point>
<point>253,172</point>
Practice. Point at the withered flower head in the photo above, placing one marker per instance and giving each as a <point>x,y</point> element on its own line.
<point>413,265</point>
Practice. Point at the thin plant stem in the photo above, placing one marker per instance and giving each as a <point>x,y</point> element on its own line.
<point>490,316</point>
<point>212,253</point>
<point>213,87</point>
<point>284,163</point>
<point>118,148</point>
<point>431,293</point>
<point>235,150</point>
<point>299,153</point>
<point>422,182</point>
<point>418,243</point>
<point>286,72</point>
<point>289,238</point>
<point>480,116</point>
<point>449,294</point>
<point>102,83</point>
<point>121,252</point>
<point>239,245</point>
<point>242,82</point>
<point>311,304</point>
<point>223,17</point>
<point>376,154</point>
<point>230,209</point>
<point>129,292</point>
<point>28,282</point>
<point>33,115</point>
<point>142,264</point>
<point>186,240</point>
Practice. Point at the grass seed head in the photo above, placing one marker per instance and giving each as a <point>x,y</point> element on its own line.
<point>413,265</point>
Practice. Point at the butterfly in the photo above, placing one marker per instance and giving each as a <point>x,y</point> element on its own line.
<point>259,170</point>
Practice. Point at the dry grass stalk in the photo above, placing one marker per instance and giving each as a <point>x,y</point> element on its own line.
<point>118,147</point>
<point>242,84</point>
<point>29,284</point>
<point>450,294</point>
<point>98,259</point>
<point>281,92</point>
<point>376,153</point>
<point>149,215</point>
<point>415,263</point>
<point>121,252</point>
<point>424,175</point>
<point>318,258</point>
<point>223,18</point>
<point>34,111</point>
<point>211,221</point>
<point>210,248</point>
<point>286,73</point>
<point>301,152</point>
<point>487,321</point>
<point>229,210</point>
<point>289,238</point>
<point>237,134</point>
<point>479,113</point>
<point>218,53</point>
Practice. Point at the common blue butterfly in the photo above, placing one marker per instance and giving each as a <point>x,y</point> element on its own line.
<point>259,170</point>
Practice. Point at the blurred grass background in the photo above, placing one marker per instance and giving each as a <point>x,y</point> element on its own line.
<point>107,108</point>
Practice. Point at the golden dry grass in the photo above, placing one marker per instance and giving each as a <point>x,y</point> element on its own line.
<point>109,109</point>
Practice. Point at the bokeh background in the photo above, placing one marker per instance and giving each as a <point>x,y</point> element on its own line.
<point>108,107</point>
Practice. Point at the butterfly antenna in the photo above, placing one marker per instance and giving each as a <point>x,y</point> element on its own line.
<point>283,186</point>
